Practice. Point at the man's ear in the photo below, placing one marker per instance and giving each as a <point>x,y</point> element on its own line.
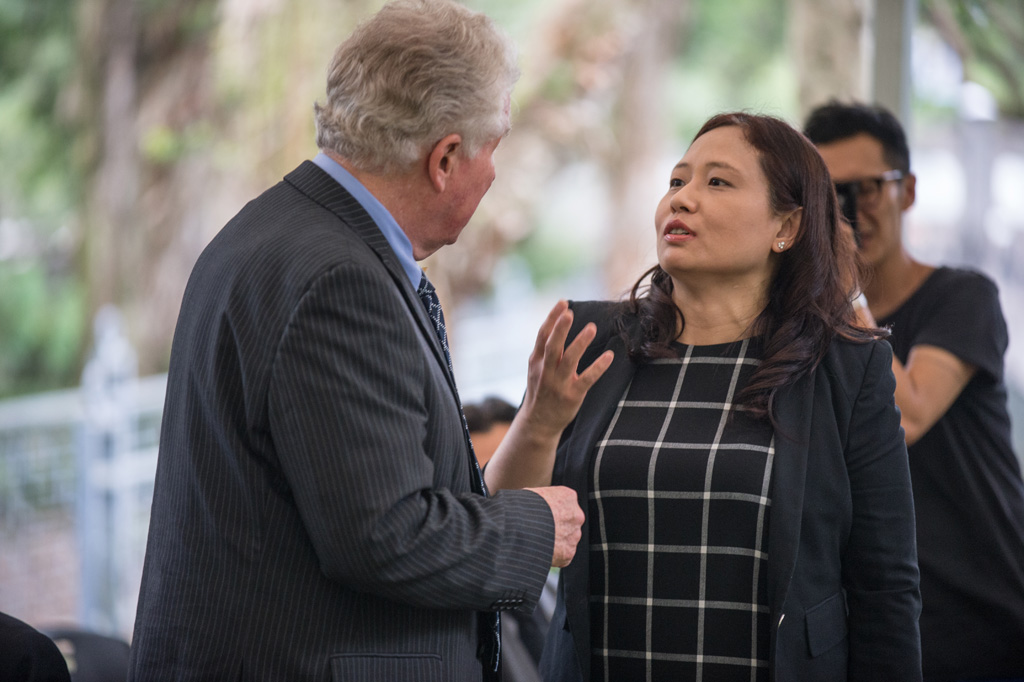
<point>909,193</point>
<point>442,160</point>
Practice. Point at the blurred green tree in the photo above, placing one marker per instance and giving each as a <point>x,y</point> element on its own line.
<point>41,317</point>
<point>133,129</point>
<point>988,36</point>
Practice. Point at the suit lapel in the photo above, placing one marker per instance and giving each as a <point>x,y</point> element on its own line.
<point>312,181</point>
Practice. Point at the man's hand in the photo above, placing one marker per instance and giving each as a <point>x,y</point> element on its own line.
<point>568,521</point>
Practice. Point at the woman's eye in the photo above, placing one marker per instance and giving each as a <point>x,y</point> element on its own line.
<point>717,182</point>
<point>675,182</point>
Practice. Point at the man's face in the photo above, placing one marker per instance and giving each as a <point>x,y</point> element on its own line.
<point>471,183</point>
<point>881,202</point>
<point>441,218</point>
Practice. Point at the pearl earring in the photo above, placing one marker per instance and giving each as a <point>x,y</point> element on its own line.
<point>782,245</point>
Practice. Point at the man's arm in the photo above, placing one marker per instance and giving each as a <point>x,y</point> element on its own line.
<point>361,422</point>
<point>927,386</point>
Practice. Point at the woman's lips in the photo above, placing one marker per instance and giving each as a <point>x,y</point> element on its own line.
<point>677,230</point>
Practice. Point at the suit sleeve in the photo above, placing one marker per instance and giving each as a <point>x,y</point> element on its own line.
<point>880,563</point>
<point>352,428</point>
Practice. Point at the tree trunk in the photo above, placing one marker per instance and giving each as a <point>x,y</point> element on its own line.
<point>634,168</point>
<point>195,107</point>
<point>826,39</point>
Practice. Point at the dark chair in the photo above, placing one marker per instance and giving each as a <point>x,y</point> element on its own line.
<point>28,655</point>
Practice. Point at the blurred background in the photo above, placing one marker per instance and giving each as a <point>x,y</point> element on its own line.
<point>132,130</point>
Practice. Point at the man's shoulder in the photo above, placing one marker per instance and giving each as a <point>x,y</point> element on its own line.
<point>285,224</point>
<point>277,248</point>
<point>960,281</point>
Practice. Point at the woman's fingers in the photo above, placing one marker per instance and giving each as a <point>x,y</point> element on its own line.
<point>544,333</point>
<point>590,375</point>
<point>573,353</point>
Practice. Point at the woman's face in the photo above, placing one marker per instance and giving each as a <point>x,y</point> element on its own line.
<point>715,224</point>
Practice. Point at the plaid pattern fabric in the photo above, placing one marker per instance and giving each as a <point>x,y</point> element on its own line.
<point>679,522</point>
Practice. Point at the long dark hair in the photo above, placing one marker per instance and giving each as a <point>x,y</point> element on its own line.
<point>809,297</point>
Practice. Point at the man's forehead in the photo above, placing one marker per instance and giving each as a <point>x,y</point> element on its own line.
<point>854,157</point>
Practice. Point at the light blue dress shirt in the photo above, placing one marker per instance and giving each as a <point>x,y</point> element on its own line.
<point>397,239</point>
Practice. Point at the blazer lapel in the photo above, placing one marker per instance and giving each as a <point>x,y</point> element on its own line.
<point>789,478</point>
<point>312,181</point>
<point>593,418</point>
<point>594,415</point>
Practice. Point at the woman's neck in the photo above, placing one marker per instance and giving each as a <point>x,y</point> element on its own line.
<point>716,315</point>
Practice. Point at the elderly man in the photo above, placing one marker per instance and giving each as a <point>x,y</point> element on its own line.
<point>318,511</point>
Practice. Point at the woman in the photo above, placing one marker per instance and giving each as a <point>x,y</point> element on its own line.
<point>741,463</point>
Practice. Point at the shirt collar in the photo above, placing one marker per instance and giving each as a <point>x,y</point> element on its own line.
<point>396,237</point>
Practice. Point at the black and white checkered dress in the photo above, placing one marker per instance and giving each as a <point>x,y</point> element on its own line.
<point>679,525</point>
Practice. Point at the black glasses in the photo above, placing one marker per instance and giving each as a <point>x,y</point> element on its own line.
<point>863,193</point>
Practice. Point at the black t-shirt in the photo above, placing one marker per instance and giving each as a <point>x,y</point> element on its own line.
<point>968,493</point>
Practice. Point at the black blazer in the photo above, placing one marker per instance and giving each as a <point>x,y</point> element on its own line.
<point>842,567</point>
<point>313,517</point>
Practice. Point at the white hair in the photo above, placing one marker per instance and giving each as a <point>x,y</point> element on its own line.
<point>416,71</point>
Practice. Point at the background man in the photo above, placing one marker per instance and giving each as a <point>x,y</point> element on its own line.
<point>318,513</point>
<point>948,338</point>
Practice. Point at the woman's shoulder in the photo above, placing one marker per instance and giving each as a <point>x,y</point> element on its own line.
<point>605,314</point>
<point>610,317</point>
<point>850,360</point>
<point>596,311</point>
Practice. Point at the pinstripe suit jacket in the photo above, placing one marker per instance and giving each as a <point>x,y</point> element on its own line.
<point>313,516</point>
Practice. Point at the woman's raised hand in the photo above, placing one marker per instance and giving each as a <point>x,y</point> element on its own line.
<point>555,389</point>
<point>554,393</point>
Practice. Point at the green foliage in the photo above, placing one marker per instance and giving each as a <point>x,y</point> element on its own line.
<point>37,58</point>
<point>989,36</point>
<point>549,259</point>
<point>41,326</point>
<point>41,311</point>
<point>732,57</point>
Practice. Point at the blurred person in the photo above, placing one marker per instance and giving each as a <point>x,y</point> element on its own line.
<point>27,655</point>
<point>488,422</point>
<point>949,338</point>
<point>749,509</point>
<point>318,512</point>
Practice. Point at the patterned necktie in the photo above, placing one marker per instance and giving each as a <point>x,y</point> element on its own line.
<point>489,647</point>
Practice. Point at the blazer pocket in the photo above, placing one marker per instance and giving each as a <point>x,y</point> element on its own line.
<point>385,667</point>
<point>826,624</point>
